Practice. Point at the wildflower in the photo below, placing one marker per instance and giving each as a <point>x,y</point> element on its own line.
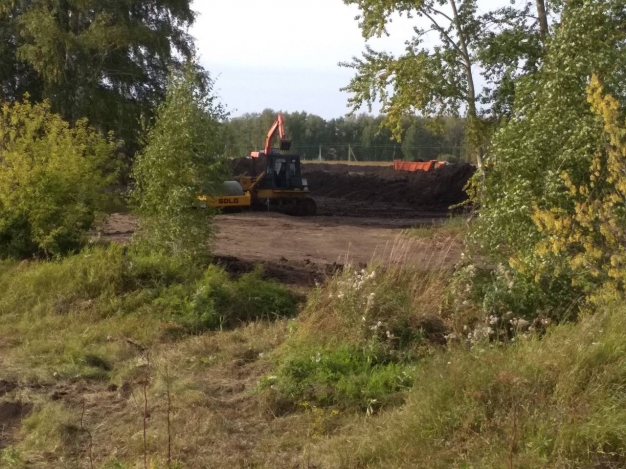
<point>493,319</point>
<point>390,336</point>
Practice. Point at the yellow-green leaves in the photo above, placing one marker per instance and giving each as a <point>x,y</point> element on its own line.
<point>52,177</point>
<point>182,160</point>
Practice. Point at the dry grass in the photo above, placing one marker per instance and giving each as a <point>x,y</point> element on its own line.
<point>77,350</point>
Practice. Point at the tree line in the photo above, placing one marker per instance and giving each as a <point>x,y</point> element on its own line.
<point>360,137</point>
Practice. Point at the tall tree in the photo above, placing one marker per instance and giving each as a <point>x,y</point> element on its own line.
<point>442,80</point>
<point>182,161</point>
<point>107,61</point>
<point>431,81</point>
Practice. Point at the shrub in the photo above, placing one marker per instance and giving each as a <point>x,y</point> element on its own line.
<point>216,302</point>
<point>52,178</point>
<point>553,130</point>
<point>553,402</point>
<point>182,161</point>
<point>357,337</point>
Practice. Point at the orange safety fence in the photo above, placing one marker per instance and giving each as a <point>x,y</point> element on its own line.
<point>414,166</point>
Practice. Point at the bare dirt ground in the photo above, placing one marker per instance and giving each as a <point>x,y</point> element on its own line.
<point>293,248</point>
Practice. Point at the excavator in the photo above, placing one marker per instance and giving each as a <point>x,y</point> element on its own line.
<point>280,187</point>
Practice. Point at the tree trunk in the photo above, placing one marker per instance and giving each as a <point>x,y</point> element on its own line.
<point>472,112</point>
<point>543,19</point>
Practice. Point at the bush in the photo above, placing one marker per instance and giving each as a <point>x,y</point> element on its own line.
<point>216,302</point>
<point>52,178</point>
<point>181,162</point>
<point>539,160</point>
<point>357,337</point>
<point>553,402</point>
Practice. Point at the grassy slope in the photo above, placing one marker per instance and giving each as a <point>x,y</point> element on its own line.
<point>558,402</point>
<point>358,380</point>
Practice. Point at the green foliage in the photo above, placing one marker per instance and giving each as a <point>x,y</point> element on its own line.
<point>95,299</point>
<point>553,402</point>
<point>52,178</point>
<point>591,234</point>
<point>363,133</point>
<point>538,145</point>
<point>182,161</point>
<point>356,339</point>
<point>105,61</point>
<point>342,377</point>
<point>216,302</point>
<point>436,75</point>
<point>10,458</point>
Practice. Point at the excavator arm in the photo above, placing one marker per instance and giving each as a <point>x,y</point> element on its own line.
<point>284,145</point>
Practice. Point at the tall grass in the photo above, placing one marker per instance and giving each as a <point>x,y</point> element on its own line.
<point>556,402</point>
<point>357,340</point>
<point>76,316</point>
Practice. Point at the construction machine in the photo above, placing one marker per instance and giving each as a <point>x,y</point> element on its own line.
<point>279,186</point>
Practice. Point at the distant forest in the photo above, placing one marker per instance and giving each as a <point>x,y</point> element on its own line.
<point>359,137</point>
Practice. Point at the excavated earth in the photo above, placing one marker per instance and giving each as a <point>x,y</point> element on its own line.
<point>378,191</point>
<point>362,214</point>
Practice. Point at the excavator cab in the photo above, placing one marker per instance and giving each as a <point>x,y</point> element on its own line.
<point>283,172</point>
<point>281,185</point>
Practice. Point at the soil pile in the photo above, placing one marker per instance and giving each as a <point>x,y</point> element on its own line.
<point>248,166</point>
<point>433,191</point>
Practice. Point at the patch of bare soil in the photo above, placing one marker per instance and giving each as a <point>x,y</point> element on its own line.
<point>11,415</point>
<point>302,250</point>
<point>395,193</point>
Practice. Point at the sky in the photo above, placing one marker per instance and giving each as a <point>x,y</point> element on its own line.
<point>284,54</point>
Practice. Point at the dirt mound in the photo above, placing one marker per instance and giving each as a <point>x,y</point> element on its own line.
<point>305,273</point>
<point>434,190</point>
<point>248,166</point>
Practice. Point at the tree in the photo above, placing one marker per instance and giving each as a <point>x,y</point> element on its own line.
<point>182,161</point>
<point>548,149</point>
<point>511,46</point>
<point>106,61</point>
<point>440,80</point>
<point>432,82</point>
<point>52,180</point>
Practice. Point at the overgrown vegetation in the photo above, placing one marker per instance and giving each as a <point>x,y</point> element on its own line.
<point>52,180</point>
<point>550,402</point>
<point>358,339</point>
<point>181,162</point>
<point>146,299</point>
<point>550,215</point>
<point>151,356</point>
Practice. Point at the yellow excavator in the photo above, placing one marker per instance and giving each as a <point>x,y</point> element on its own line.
<point>279,187</point>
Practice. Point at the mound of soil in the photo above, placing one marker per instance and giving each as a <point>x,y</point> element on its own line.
<point>248,166</point>
<point>304,274</point>
<point>433,191</point>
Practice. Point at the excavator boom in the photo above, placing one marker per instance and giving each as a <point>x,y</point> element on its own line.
<point>284,144</point>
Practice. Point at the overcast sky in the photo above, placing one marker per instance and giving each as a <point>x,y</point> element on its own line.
<point>283,54</point>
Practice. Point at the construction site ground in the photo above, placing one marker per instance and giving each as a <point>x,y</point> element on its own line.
<point>363,214</point>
